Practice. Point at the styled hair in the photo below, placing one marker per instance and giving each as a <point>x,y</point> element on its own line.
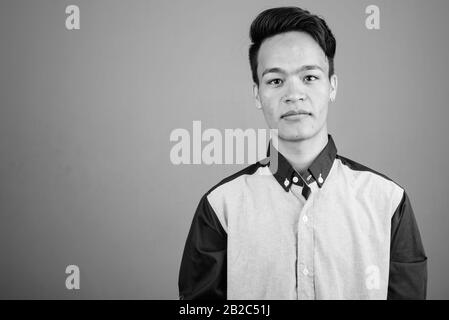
<point>284,19</point>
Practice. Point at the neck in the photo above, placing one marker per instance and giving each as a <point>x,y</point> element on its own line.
<point>301,153</point>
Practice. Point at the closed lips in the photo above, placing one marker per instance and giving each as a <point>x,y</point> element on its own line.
<point>294,113</point>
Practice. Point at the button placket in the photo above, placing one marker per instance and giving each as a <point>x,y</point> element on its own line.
<point>305,274</point>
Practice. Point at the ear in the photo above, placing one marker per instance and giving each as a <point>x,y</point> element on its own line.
<point>333,89</point>
<point>256,96</point>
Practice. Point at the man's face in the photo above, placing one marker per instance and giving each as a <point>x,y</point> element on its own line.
<point>294,87</point>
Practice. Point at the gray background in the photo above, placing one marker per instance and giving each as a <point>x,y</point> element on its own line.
<point>86,115</point>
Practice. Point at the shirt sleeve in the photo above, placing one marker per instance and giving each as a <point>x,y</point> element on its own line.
<point>203,267</point>
<point>408,261</point>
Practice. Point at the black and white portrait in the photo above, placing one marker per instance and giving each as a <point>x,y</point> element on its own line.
<point>265,150</point>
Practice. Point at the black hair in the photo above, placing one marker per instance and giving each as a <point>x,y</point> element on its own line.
<point>284,19</point>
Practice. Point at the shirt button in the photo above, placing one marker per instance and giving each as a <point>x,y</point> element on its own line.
<point>305,218</point>
<point>320,179</point>
<point>286,182</point>
<point>295,179</point>
<point>305,272</point>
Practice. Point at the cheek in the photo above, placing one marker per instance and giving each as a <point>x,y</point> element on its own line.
<point>321,98</point>
<point>270,108</point>
<point>270,101</point>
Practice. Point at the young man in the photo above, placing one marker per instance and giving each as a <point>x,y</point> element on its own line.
<point>305,223</point>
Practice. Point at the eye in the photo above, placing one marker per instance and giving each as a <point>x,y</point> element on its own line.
<point>310,78</point>
<point>275,82</point>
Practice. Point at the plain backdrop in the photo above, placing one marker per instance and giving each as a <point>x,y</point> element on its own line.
<point>86,117</point>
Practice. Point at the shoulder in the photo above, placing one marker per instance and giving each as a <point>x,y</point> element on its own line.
<point>358,167</point>
<point>228,194</point>
<point>367,181</point>
<point>234,181</point>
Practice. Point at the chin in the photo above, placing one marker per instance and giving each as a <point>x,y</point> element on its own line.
<point>295,134</point>
<point>298,136</point>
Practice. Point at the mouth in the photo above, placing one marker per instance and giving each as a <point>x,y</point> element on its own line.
<point>290,115</point>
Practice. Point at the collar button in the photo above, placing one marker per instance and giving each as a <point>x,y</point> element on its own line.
<point>320,179</point>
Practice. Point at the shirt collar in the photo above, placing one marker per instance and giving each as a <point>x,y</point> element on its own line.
<point>318,171</point>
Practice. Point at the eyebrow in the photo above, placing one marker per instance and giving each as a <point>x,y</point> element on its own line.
<point>303,68</point>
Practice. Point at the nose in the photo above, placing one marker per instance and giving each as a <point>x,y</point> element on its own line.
<point>294,91</point>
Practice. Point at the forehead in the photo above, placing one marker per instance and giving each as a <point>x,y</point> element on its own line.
<point>290,50</point>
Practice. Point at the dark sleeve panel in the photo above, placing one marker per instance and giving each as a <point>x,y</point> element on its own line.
<point>408,261</point>
<point>203,267</point>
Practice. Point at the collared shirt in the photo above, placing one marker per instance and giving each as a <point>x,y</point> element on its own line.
<point>337,231</point>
